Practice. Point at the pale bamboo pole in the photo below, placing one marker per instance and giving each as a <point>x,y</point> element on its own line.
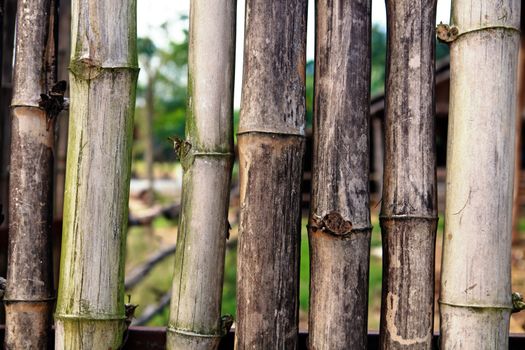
<point>206,156</point>
<point>409,206</point>
<point>29,295</point>
<point>103,71</point>
<point>271,150</point>
<point>339,224</point>
<point>475,279</point>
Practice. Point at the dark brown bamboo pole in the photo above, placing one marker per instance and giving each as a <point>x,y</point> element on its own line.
<point>30,294</point>
<point>271,151</point>
<point>339,225</point>
<point>8,33</point>
<point>409,206</point>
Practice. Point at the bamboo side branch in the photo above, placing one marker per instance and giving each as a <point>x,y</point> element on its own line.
<point>475,279</point>
<point>339,225</point>
<point>30,294</point>
<point>271,151</point>
<point>207,157</point>
<point>103,71</point>
<point>409,206</point>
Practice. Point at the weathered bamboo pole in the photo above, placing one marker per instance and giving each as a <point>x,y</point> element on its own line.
<point>475,279</point>
<point>6,89</point>
<point>409,206</point>
<point>103,71</point>
<point>207,158</point>
<point>29,296</point>
<point>271,150</point>
<point>339,225</point>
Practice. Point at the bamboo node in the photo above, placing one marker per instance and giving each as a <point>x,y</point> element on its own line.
<point>446,33</point>
<point>332,223</point>
<point>85,68</point>
<point>517,302</point>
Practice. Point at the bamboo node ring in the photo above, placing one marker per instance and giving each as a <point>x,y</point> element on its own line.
<point>448,33</point>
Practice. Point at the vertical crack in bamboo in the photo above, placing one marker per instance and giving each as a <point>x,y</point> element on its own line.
<point>271,151</point>
<point>30,294</point>
<point>339,263</point>
<point>475,276</point>
<point>409,205</point>
<point>103,73</point>
<point>207,157</point>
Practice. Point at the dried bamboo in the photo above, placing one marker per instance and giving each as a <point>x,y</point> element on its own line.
<point>339,225</point>
<point>271,150</point>
<point>409,207</point>
<point>207,158</point>
<point>475,279</point>
<point>103,71</point>
<point>30,293</point>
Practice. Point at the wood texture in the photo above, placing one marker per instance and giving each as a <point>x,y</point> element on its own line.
<point>29,295</point>
<point>409,206</point>
<point>207,158</point>
<point>475,279</point>
<point>339,224</point>
<point>103,73</point>
<point>271,151</point>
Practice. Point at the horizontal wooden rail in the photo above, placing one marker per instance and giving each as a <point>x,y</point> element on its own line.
<point>154,338</point>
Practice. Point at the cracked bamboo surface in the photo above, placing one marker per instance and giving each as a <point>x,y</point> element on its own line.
<point>339,225</point>
<point>195,311</point>
<point>271,151</point>
<point>103,73</point>
<point>409,205</point>
<point>475,279</point>
<point>30,294</point>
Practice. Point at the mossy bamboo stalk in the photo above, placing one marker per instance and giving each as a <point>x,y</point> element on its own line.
<point>475,279</point>
<point>271,151</point>
<point>339,225</point>
<point>409,206</point>
<point>90,310</point>
<point>207,157</point>
<point>29,296</point>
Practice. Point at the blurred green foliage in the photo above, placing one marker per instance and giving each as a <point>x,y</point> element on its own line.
<point>168,67</point>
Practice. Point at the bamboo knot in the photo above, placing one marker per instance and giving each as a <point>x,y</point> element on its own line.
<point>446,33</point>
<point>85,68</point>
<point>332,223</point>
<point>517,302</point>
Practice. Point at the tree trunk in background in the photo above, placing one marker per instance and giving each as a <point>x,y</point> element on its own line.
<point>475,278</point>
<point>516,206</point>
<point>8,32</point>
<point>271,150</point>
<point>207,157</point>
<point>409,207</point>
<point>29,296</point>
<point>103,72</point>
<point>339,224</point>
<point>148,138</point>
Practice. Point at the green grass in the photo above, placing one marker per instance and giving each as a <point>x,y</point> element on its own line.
<point>140,244</point>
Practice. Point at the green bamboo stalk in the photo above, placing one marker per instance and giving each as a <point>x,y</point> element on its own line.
<point>207,158</point>
<point>90,310</point>
<point>339,225</point>
<point>475,276</point>
<point>30,294</point>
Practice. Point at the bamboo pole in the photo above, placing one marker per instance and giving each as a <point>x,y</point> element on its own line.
<point>30,294</point>
<point>6,89</point>
<point>409,207</point>
<point>207,157</point>
<point>339,224</point>
<point>103,71</point>
<point>271,150</point>
<point>475,279</point>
